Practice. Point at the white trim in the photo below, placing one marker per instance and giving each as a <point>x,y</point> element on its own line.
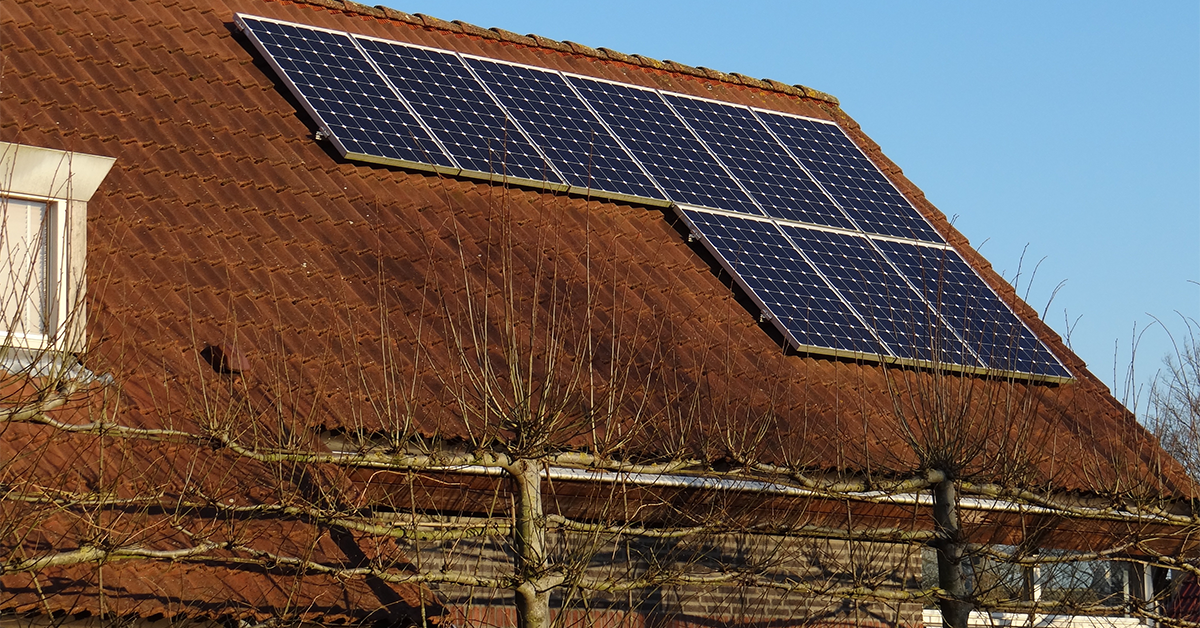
<point>51,174</point>
<point>65,181</point>
<point>932,618</point>
<point>767,487</point>
<point>53,229</point>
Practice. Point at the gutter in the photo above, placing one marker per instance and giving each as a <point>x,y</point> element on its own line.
<point>674,480</point>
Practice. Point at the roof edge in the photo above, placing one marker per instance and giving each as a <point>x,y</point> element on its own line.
<point>569,47</point>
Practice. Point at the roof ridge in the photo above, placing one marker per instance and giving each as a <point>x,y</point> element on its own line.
<point>569,47</point>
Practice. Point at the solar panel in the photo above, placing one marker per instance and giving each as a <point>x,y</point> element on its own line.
<point>853,181</point>
<point>791,207</point>
<point>882,297</point>
<point>800,302</point>
<point>467,120</point>
<point>781,187</point>
<point>663,145</point>
<point>349,100</point>
<point>570,135</point>
<point>970,306</point>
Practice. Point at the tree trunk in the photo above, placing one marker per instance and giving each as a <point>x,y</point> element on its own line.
<point>533,607</point>
<point>956,609</point>
<point>533,604</point>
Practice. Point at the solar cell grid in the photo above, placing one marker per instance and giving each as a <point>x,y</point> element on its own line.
<point>825,289</point>
<point>772,177</point>
<point>665,147</point>
<point>973,309</point>
<point>343,91</point>
<point>563,127</point>
<point>857,185</point>
<point>463,116</point>
<point>794,294</point>
<point>881,296</point>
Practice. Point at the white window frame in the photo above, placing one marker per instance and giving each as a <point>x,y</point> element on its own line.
<point>65,182</point>
<point>59,280</point>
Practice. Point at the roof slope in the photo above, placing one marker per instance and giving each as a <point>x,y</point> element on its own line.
<point>367,299</point>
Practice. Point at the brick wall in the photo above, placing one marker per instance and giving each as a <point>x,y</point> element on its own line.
<point>820,565</point>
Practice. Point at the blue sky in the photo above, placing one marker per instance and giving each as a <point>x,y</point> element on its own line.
<point>1062,136</point>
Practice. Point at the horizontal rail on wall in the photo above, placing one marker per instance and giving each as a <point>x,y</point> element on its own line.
<point>933,619</point>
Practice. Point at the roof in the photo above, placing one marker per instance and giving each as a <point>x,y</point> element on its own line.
<point>355,292</point>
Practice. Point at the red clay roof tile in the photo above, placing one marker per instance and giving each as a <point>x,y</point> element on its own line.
<point>223,216</point>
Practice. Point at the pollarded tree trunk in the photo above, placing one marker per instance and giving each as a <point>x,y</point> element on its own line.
<point>956,609</point>
<point>532,594</point>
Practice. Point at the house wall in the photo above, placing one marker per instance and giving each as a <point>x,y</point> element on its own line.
<point>811,566</point>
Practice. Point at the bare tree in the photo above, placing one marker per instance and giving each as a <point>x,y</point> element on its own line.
<point>529,437</point>
<point>532,443</point>
<point>1174,407</point>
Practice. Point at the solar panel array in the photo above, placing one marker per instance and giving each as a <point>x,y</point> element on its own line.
<point>819,238</point>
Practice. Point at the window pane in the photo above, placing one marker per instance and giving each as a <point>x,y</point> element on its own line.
<point>24,252</point>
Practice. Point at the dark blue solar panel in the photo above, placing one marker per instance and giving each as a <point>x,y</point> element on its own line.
<point>853,181</point>
<point>794,294</point>
<point>469,123</point>
<point>881,296</point>
<point>563,127</point>
<point>327,73</point>
<point>825,289</point>
<point>773,178</point>
<point>665,147</point>
<point>973,309</point>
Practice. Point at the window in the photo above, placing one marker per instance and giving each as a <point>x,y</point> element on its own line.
<point>43,226</point>
<point>29,287</point>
